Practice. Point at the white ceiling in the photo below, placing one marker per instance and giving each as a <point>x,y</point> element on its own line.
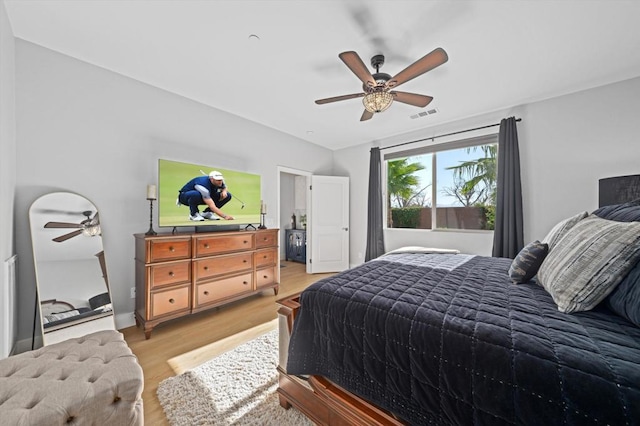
<point>501,53</point>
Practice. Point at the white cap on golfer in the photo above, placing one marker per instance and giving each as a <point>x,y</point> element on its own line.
<point>216,175</point>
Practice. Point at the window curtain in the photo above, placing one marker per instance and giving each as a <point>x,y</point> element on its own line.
<point>508,237</point>
<point>375,236</point>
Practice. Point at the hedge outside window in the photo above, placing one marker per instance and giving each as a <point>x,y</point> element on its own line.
<point>458,178</point>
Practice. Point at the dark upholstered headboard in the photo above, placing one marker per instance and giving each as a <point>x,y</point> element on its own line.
<point>618,190</point>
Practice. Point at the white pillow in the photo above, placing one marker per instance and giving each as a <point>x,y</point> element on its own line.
<point>420,249</point>
<point>589,261</point>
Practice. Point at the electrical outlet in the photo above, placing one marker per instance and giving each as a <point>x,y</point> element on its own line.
<point>133,292</point>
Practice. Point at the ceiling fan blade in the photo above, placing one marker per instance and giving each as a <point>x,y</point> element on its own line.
<point>366,115</point>
<point>61,212</point>
<point>339,98</point>
<point>65,237</point>
<point>62,225</point>
<point>95,220</point>
<point>428,62</point>
<point>411,98</point>
<point>355,64</point>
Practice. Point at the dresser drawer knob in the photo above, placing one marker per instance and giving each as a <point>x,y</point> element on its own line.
<point>171,248</point>
<point>206,246</point>
<point>206,268</point>
<point>172,300</point>
<point>245,242</point>
<point>206,292</point>
<point>245,282</point>
<point>264,257</point>
<point>265,276</point>
<point>244,261</point>
<point>171,273</point>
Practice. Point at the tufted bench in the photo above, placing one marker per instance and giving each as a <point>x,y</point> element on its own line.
<point>90,380</point>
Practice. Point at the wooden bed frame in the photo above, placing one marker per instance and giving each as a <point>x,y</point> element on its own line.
<point>319,399</point>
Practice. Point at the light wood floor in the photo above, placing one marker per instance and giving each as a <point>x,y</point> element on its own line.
<point>183,335</point>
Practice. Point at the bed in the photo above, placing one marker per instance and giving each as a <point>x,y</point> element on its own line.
<point>59,313</point>
<point>457,339</point>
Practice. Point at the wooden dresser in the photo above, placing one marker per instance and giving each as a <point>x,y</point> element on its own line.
<point>180,274</point>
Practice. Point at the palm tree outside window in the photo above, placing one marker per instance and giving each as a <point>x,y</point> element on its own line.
<point>444,186</point>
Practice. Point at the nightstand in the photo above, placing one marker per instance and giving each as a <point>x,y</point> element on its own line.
<point>296,245</point>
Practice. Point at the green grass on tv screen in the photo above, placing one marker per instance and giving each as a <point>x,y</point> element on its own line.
<point>244,187</point>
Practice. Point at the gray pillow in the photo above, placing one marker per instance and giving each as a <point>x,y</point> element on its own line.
<point>589,261</point>
<point>527,262</point>
<point>627,212</point>
<point>561,228</point>
<point>625,299</point>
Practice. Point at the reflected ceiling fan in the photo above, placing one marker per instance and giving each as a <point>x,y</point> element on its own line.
<point>89,227</point>
<point>377,94</point>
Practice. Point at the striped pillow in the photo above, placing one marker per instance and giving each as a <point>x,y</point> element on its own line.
<point>561,228</point>
<point>589,261</point>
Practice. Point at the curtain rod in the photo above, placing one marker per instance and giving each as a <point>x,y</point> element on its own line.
<point>447,134</point>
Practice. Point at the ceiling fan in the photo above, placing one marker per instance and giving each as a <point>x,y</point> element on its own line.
<point>377,94</point>
<point>89,227</point>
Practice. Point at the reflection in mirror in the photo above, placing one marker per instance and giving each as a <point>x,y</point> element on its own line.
<point>71,273</point>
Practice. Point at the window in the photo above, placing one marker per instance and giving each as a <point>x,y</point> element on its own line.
<point>445,186</point>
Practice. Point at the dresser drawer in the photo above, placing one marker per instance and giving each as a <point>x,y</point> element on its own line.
<point>169,274</point>
<point>222,289</point>
<point>266,238</point>
<point>265,277</point>
<point>265,257</point>
<point>216,244</point>
<point>161,250</point>
<point>170,301</point>
<point>210,267</point>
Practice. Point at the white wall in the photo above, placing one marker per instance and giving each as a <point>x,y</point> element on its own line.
<point>7,178</point>
<point>88,130</point>
<point>87,283</point>
<point>566,145</point>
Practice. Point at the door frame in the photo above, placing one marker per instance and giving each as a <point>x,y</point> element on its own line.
<point>297,172</point>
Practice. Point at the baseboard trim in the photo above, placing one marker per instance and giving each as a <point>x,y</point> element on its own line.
<point>125,320</point>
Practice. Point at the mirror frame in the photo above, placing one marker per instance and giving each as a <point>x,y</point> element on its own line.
<point>66,238</point>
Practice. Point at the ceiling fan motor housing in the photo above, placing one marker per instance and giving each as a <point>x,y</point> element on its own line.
<point>381,79</point>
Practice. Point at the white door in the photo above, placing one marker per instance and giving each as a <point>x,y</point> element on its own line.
<point>328,230</point>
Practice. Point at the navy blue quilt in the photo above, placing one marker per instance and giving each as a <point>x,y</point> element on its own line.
<point>445,339</point>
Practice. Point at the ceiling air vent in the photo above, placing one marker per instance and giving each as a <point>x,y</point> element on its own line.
<point>424,113</point>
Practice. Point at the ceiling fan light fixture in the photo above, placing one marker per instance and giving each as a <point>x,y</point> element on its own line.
<point>377,101</point>
<point>91,231</point>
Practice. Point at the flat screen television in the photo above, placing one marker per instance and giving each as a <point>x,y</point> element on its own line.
<point>244,206</point>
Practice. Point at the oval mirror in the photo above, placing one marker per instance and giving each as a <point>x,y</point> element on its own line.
<point>71,273</point>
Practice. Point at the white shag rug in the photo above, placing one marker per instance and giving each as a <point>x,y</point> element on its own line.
<point>236,388</point>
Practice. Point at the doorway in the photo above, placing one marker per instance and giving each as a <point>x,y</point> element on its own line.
<point>293,200</point>
<point>313,229</point>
